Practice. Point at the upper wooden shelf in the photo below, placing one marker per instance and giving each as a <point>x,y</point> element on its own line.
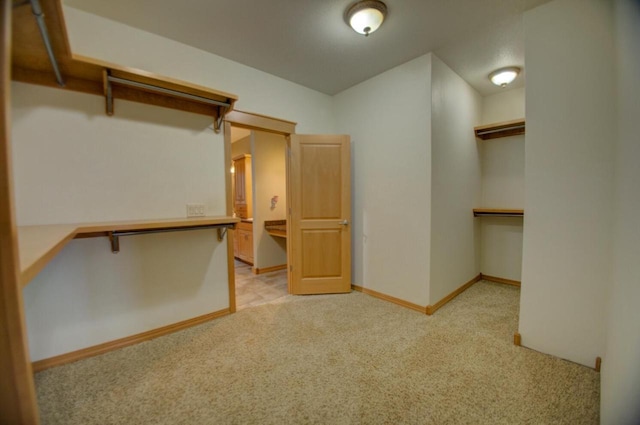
<point>31,64</point>
<point>39,244</point>
<point>501,129</point>
<point>497,212</point>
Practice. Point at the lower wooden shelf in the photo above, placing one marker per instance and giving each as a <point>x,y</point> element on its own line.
<point>37,245</point>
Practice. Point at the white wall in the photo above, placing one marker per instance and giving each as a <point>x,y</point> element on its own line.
<point>620,377</point>
<point>389,119</point>
<point>269,179</point>
<point>241,147</point>
<point>502,165</point>
<point>568,166</point>
<point>101,38</point>
<point>456,181</point>
<point>73,163</point>
<point>76,164</point>
<point>503,106</point>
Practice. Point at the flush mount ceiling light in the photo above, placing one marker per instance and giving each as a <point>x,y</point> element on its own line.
<point>366,16</point>
<point>503,76</point>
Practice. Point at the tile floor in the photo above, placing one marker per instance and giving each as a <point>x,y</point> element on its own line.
<point>255,289</point>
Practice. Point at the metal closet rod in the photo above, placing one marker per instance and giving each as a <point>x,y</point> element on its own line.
<point>497,214</point>
<point>171,229</point>
<point>176,93</point>
<point>115,235</point>
<point>499,130</point>
<point>39,15</point>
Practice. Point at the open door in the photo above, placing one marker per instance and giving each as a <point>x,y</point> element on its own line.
<point>319,201</point>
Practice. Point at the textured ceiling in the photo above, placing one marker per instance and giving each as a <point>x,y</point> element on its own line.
<point>308,41</point>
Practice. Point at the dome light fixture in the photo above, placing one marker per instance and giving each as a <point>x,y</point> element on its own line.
<point>503,76</point>
<point>366,16</point>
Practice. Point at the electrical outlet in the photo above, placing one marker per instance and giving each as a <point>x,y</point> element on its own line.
<point>195,210</point>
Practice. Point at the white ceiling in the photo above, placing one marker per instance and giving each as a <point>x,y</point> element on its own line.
<point>308,41</point>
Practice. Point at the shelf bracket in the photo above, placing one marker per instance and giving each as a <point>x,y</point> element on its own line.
<point>221,233</point>
<point>108,92</point>
<point>217,121</point>
<point>115,243</point>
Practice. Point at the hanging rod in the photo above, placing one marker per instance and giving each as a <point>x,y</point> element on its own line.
<point>115,235</point>
<point>39,15</point>
<point>480,212</point>
<point>171,92</point>
<point>499,130</point>
<point>217,123</point>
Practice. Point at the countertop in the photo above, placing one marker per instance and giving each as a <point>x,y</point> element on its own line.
<point>277,228</point>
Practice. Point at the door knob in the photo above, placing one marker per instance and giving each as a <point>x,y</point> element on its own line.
<point>344,222</point>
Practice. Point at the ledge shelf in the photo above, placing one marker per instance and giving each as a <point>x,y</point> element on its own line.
<point>40,244</point>
<point>501,129</point>
<point>497,212</point>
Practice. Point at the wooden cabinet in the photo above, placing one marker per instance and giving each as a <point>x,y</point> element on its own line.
<point>242,197</point>
<point>243,242</point>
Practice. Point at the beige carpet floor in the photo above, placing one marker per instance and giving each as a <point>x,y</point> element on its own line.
<point>333,359</point>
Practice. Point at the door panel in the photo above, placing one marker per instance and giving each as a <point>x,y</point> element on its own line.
<point>319,248</point>
<point>319,232</point>
<point>322,181</point>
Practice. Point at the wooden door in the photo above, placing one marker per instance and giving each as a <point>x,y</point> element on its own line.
<point>319,228</point>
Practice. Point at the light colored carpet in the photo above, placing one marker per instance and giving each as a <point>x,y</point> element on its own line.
<point>337,359</point>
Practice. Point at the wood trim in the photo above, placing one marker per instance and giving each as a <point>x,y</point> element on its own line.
<point>231,271</point>
<point>260,122</point>
<point>227,169</point>
<point>517,339</point>
<point>389,298</point>
<point>501,280</point>
<point>17,390</point>
<point>125,342</point>
<point>500,129</point>
<point>433,308</point>
<point>598,364</point>
<point>263,270</point>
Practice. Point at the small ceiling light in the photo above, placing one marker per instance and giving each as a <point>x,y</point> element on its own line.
<point>366,16</point>
<point>503,76</point>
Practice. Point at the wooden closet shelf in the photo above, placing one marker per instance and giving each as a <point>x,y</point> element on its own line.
<point>497,212</point>
<point>38,245</point>
<point>501,129</point>
<point>31,64</point>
